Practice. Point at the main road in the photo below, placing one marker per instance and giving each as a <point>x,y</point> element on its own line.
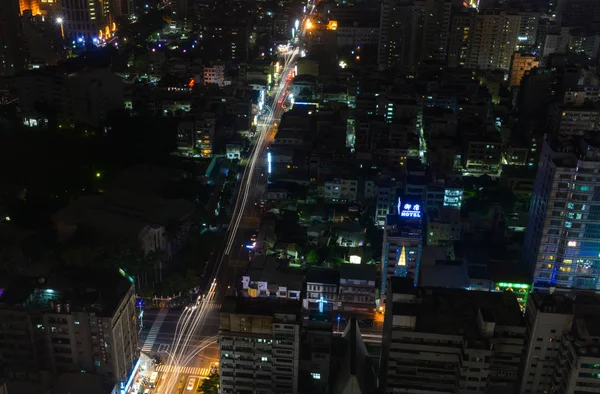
<point>186,359</point>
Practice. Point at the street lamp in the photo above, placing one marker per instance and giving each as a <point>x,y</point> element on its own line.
<point>62,28</point>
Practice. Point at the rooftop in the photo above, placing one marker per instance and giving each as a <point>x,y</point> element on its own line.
<point>578,303</point>
<point>261,306</point>
<point>274,271</point>
<point>323,275</point>
<point>456,311</point>
<point>83,290</point>
<point>445,273</point>
<point>358,271</point>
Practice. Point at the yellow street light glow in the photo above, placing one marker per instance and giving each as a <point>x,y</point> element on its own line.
<point>309,25</point>
<point>98,175</point>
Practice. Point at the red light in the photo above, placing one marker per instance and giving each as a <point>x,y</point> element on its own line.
<point>192,83</point>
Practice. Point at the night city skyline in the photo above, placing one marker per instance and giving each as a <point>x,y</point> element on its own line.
<point>299,196</point>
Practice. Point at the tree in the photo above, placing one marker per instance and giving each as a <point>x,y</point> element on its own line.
<point>312,257</point>
<point>210,385</point>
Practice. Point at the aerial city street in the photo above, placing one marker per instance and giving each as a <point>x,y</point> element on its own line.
<point>299,196</point>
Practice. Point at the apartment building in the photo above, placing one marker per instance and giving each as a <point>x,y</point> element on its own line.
<point>340,190</point>
<point>65,325</point>
<point>573,119</point>
<point>357,288</point>
<point>563,234</point>
<point>562,343</point>
<point>450,340</point>
<point>356,34</point>
<point>493,40</point>
<point>528,29</point>
<point>412,31</point>
<point>259,346</point>
<point>459,37</point>
<point>214,75</point>
<point>519,65</point>
<point>204,126</point>
<point>577,366</point>
<point>484,153</point>
<point>84,97</point>
<point>322,290</point>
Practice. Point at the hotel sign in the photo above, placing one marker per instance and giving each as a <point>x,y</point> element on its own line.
<point>409,210</point>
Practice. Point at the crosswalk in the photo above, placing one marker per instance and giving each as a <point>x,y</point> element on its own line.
<point>185,370</point>
<point>158,322</point>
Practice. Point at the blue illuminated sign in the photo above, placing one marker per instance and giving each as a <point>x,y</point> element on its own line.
<point>409,210</point>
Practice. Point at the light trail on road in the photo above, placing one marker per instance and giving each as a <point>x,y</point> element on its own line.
<point>192,319</point>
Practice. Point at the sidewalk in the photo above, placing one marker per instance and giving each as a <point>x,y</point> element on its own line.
<point>140,382</point>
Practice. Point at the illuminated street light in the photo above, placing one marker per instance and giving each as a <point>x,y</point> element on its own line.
<point>343,64</point>
<point>60,21</point>
<point>309,25</point>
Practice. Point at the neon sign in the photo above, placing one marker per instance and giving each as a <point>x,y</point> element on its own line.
<point>409,210</point>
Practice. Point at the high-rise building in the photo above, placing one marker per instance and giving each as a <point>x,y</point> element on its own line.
<point>493,40</point>
<point>519,65</point>
<point>87,20</point>
<point>450,340</point>
<point>402,243</point>
<point>122,8</point>
<point>459,37</point>
<point>412,31</point>
<point>13,56</point>
<point>40,7</point>
<point>65,326</point>
<point>227,40</point>
<point>259,343</point>
<point>528,29</point>
<point>563,233</point>
<point>561,350</point>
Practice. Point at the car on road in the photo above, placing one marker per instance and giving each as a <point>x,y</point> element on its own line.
<point>191,384</point>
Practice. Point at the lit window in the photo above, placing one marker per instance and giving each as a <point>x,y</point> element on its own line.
<point>263,359</point>
<point>316,375</point>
